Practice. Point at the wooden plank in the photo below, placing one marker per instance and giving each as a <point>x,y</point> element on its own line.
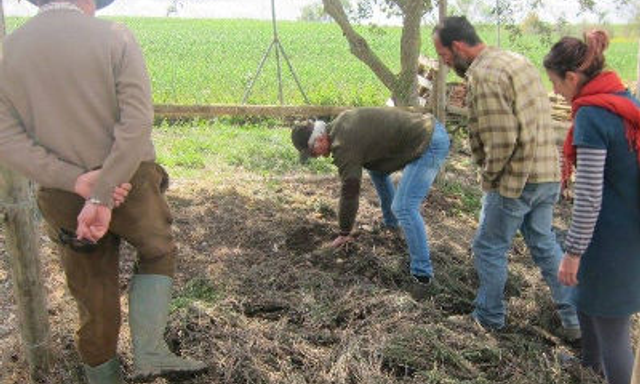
<point>168,111</point>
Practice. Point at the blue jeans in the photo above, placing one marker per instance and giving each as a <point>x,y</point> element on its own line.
<point>500,219</point>
<point>402,206</point>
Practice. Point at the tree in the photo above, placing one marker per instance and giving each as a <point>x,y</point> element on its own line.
<point>462,7</point>
<point>315,11</point>
<point>173,7</point>
<point>403,86</point>
<point>475,10</point>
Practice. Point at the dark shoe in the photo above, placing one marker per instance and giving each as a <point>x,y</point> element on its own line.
<point>421,280</point>
<point>419,287</point>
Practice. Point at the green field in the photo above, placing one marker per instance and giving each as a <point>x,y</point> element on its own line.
<point>200,61</point>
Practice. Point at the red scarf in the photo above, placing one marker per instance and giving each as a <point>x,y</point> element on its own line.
<point>601,92</point>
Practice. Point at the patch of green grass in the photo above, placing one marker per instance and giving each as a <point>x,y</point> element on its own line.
<point>467,199</point>
<point>186,152</point>
<point>197,289</point>
<point>201,146</point>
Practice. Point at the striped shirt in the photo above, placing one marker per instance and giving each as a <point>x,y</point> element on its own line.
<point>510,126</point>
<point>588,199</point>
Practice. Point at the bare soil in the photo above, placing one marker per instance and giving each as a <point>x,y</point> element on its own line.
<point>262,298</point>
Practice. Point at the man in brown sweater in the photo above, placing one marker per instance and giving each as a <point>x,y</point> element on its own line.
<point>76,117</point>
<point>382,141</point>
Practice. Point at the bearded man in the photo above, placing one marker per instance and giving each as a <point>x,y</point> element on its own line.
<point>513,144</point>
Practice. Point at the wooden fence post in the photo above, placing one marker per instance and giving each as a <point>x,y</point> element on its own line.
<point>22,243</point>
<point>440,91</point>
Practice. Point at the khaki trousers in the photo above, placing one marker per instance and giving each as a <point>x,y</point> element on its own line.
<point>143,220</point>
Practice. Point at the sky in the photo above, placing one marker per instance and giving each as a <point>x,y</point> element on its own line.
<point>237,9</point>
<point>285,9</point>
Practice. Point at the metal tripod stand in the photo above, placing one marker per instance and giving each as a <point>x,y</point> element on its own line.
<point>279,49</point>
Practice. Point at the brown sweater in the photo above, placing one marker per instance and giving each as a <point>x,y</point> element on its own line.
<point>377,139</point>
<point>74,96</point>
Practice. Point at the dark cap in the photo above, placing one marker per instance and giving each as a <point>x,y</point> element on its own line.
<point>300,135</point>
<point>99,3</point>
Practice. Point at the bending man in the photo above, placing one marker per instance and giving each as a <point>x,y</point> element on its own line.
<point>382,141</point>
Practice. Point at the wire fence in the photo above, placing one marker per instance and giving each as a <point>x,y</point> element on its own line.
<point>215,61</point>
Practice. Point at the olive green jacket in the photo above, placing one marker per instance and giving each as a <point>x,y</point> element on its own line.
<point>376,139</point>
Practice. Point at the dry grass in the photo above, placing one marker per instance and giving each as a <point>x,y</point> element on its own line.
<point>261,298</point>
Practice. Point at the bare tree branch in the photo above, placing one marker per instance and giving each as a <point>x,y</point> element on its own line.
<point>358,45</point>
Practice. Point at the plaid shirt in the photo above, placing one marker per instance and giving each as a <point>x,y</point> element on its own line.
<point>510,126</point>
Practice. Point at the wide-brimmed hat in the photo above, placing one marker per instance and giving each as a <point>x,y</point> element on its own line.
<point>300,135</point>
<point>99,3</point>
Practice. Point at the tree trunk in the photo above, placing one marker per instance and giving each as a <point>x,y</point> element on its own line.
<point>403,86</point>
<point>21,237</point>
<point>406,89</point>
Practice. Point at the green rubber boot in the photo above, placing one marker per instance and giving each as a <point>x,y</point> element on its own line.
<point>148,314</point>
<point>107,373</point>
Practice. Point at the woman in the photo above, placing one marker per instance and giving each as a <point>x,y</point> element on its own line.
<point>603,245</point>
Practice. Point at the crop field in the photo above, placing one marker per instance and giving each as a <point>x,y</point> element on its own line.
<point>212,61</point>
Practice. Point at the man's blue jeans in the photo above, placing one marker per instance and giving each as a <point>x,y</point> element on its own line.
<point>402,206</point>
<point>500,219</point>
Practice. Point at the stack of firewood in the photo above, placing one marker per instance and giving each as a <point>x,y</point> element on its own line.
<point>560,110</point>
